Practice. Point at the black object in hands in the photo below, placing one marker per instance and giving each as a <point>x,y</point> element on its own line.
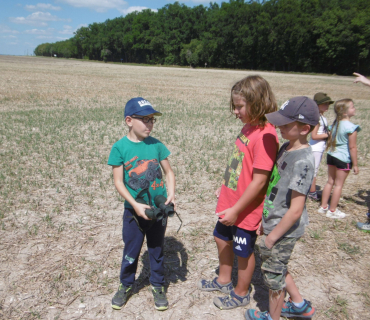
<point>152,213</point>
<point>161,212</point>
<point>167,209</point>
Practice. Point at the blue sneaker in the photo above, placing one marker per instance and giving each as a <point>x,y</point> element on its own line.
<point>232,301</point>
<point>252,314</point>
<point>289,310</point>
<point>213,285</point>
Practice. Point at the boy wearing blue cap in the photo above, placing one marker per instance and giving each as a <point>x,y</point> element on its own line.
<point>137,160</point>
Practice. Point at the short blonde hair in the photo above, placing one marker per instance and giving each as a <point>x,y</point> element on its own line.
<point>258,94</point>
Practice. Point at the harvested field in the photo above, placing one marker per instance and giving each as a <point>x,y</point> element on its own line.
<point>61,217</point>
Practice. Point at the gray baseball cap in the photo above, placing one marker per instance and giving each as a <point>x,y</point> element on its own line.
<point>302,109</point>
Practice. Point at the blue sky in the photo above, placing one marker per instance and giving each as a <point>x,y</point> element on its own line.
<point>25,24</point>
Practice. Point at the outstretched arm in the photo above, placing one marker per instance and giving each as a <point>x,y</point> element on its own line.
<point>362,79</point>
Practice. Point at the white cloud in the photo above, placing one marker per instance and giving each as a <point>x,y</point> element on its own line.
<point>6,29</point>
<point>137,8</point>
<point>42,6</point>
<point>97,5</point>
<point>51,38</point>
<point>66,30</point>
<point>82,25</point>
<point>9,37</point>
<point>40,31</point>
<point>37,19</point>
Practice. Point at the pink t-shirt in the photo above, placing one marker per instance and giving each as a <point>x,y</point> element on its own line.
<point>255,147</point>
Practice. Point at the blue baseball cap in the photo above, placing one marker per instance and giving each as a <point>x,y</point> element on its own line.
<point>141,107</point>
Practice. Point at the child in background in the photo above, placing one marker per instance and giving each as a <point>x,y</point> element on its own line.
<point>137,160</point>
<point>319,135</point>
<point>285,215</point>
<point>341,157</point>
<point>240,198</point>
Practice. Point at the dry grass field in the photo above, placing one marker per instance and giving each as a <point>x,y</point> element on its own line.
<point>61,218</point>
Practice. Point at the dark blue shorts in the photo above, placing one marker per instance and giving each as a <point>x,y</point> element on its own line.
<point>243,240</point>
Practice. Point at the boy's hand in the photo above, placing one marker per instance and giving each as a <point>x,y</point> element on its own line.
<point>171,198</point>
<point>217,192</point>
<point>269,243</point>
<point>260,229</point>
<point>355,170</point>
<point>140,210</point>
<point>229,218</point>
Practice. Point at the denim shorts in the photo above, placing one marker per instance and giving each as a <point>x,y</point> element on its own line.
<point>243,240</point>
<point>275,261</point>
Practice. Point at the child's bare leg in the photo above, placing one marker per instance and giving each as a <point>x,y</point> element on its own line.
<point>292,289</point>
<point>245,272</point>
<point>276,302</point>
<point>340,178</point>
<point>226,260</point>
<point>313,185</point>
<point>329,185</point>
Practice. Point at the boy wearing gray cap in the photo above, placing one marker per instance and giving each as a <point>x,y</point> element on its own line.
<point>285,216</point>
<point>137,160</point>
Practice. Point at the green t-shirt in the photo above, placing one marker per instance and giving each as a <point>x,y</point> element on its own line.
<point>141,165</point>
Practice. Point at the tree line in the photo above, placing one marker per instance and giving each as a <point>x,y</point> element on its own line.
<point>326,36</point>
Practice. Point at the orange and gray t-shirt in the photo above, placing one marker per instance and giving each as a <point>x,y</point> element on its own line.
<point>255,148</point>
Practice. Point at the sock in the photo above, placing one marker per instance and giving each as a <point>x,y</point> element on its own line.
<point>327,207</point>
<point>269,317</point>
<point>313,193</point>
<point>299,305</point>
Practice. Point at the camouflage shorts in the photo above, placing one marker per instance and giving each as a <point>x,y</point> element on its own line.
<point>275,261</point>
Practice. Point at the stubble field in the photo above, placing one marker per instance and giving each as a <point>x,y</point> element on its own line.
<point>61,218</point>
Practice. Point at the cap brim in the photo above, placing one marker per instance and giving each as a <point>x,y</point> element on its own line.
<point>147,111</point>
<point>277,119</point>
<point>325,101</point>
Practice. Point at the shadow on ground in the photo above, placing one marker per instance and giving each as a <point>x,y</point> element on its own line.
<point>175,264</point>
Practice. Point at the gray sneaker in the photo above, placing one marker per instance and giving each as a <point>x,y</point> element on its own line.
<point>160,299</point>
<point>232,301</point>
<point>213,285</point>
<point>121,297</point>
<point>364,226</point>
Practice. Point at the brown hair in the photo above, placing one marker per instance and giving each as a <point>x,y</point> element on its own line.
<point>340,108</point>
<point>303,124</point>
<point>258,94</point>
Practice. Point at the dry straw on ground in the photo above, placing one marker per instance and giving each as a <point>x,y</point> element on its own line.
<point>60,216</point>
